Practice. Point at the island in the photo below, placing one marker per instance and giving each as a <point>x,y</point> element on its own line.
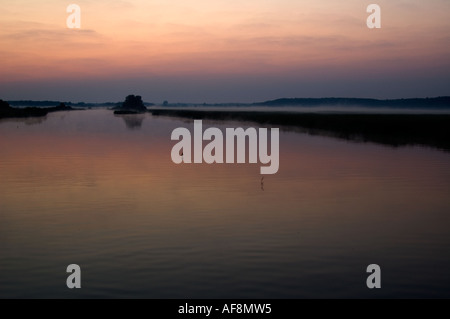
<point>133,104</point>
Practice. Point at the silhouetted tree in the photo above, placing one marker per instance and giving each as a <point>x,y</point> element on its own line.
<point>134,102</point>
<point>4,105</point>
<point>165,103</point>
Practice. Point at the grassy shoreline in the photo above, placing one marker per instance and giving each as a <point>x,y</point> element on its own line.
<point>389,129</point>
<point>6,111</point>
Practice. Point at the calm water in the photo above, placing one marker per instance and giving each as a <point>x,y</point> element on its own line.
<point>101,191</point>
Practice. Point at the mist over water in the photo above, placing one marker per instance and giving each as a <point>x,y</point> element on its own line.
<point>101,191</point>
<point>316,109</point>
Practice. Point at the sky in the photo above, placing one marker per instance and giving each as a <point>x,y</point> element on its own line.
<point>218,51</point>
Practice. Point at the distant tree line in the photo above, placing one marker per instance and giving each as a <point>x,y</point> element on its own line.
<point>443,101</point>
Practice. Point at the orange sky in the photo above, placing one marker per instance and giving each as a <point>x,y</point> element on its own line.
<point>226,38</point>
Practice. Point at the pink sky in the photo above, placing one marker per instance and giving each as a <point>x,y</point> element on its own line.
<point>223,50</point>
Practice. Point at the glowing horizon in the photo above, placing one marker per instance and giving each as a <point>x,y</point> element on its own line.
<point>270,49</point>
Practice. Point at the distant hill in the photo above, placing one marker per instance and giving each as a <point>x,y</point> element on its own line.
<point>436,102</point>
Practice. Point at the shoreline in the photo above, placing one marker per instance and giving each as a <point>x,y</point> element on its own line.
<point>395,130</point>
<point>388,129</point>
<point>6,111</point>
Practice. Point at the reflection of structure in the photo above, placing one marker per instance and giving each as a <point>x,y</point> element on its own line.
<point>133,121</point>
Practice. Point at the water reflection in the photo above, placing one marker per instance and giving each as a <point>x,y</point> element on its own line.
<point>25,120</point>
<point>388,129</point>
<point>133,121</point>
<point>82,188</point>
